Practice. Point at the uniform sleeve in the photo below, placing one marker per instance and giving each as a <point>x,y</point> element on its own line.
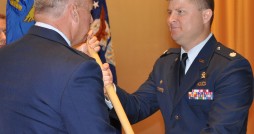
<point>232,99</point>
<point>83,107</point>
<point>140,104</point>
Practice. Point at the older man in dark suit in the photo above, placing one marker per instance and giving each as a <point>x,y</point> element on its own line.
<point>202,87</point>
<point>47,87</point>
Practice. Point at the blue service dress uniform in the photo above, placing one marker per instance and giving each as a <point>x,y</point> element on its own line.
<point>214,97</point>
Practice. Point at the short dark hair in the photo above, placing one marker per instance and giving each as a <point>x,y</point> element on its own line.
<point>2,16</point>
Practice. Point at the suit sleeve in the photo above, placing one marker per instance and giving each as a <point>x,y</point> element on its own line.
<point>83,107</point>
<point>232,99</point>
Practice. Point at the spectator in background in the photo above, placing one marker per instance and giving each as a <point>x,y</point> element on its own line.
<point>2,30</point>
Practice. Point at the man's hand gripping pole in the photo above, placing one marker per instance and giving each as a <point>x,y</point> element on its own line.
<point>114,98</point>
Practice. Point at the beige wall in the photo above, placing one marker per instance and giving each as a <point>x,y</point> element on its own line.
<point>2,6</point>
<point>140,35</point>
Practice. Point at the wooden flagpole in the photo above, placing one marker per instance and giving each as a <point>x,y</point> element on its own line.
<point>114,98</point>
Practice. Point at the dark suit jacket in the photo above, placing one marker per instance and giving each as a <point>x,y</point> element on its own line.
<point>46,87</point>
<point>216,69</point>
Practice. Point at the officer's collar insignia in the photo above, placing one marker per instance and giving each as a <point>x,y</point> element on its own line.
<point>203,75</point>
<point>161,81</point>
<point>176,59</point>
<point>233,54</point>
<point>160,89</point>
<point>201,84</point>
<point>201,61</point>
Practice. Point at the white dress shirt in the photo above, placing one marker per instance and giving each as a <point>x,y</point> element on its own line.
<point>193,53</point>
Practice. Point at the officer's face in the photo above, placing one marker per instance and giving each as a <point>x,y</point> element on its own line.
<point>185,21</point>
<point>84,21</point>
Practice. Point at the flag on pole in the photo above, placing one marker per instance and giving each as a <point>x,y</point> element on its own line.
<point>20,17</point>
<point>100,26</point>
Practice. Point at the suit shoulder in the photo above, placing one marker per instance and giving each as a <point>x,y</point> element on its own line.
<point>83,55</point>
<point>227,52</point>
<point>171,51</point>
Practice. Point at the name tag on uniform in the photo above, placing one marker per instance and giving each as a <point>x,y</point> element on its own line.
<point>200,94</point>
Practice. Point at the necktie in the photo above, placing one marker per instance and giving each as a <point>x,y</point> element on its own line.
<point>182,67</point>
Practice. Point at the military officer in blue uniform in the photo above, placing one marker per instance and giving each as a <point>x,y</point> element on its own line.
<point>202,87</point>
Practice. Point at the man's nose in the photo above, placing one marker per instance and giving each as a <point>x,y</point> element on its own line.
<point>172,18</point>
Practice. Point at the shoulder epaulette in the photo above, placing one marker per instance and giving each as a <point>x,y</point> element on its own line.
<point>171,51</point>
<point>226,52</point>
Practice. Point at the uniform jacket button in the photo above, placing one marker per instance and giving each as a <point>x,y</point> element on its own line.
<point>177,117</point>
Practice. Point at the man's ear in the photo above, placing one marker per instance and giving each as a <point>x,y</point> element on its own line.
<point>74,13</point>
<point>207,15</point>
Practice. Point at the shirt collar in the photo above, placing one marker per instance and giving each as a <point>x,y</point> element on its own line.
<point>193,53</point>
<point>41,24</point>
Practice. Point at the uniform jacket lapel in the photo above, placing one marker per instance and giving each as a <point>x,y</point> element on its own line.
<point>172,76</point>
<point>194,73</point>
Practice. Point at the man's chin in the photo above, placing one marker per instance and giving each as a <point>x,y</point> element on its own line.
<point>174,37</point>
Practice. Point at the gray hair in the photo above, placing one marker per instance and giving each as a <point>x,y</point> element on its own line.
<point>54,7</point>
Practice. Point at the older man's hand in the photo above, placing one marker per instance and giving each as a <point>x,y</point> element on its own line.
<point>91,42</point>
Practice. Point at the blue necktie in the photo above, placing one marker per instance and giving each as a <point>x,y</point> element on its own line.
<point>182,67</point>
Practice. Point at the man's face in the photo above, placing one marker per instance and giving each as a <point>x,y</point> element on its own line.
<point>185,21</point>
<point>2,32</point>
<point>85,19</point>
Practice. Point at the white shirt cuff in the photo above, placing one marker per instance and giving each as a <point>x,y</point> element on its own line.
<point>108,102</point>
